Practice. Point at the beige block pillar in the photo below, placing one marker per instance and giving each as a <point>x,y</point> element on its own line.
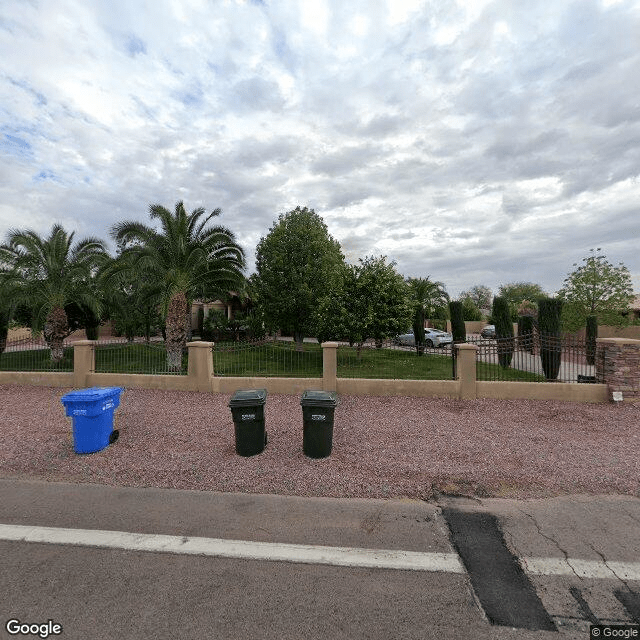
<point>618,366</point>
<point>329,366</point>
<point>466,370</point>
<point>84,362</point>
<point>200,369</point>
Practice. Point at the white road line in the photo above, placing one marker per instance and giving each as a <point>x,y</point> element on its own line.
<point>307,554</point>
<point>582,568</point>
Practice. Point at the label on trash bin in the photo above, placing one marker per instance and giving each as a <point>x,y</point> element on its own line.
<point>109,405</point>
<point>248,416</point>
<point>79,412</point>
<point>318,416</point>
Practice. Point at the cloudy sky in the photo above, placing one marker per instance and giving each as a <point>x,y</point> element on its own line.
<point>475,141</point>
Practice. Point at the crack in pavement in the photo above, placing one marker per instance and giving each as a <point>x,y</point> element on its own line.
<point>553,540</point>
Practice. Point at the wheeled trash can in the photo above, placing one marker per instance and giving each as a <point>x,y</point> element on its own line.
<point>317,416</point>
<point>247,408</point>
<point>91,411</point>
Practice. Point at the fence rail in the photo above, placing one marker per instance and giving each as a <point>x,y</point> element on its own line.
<point>535,359</point>
<point>118,355</point>
<point>34,354</point>
<point>272,358</point>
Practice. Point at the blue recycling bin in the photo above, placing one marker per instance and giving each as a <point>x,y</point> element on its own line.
<point>92,413</point>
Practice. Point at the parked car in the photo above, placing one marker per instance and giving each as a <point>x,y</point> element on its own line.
<point>489,331</point>
<point>432,338</point>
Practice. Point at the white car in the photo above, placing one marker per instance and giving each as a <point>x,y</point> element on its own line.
<point>432,338</point>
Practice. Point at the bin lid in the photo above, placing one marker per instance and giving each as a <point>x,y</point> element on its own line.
<point>319,398</point>
<point>248,397</point>
<point>93,394</point>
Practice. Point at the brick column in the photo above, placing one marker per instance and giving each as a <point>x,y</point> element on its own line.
<point>466,369</point>
<point>329,366</point>
<point>200,370</point>
<point>618,366</point>
<point>84,362</point>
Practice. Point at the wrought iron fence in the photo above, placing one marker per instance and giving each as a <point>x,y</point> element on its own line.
<point>119,355</point>
<point>267,358</point>
<point>535,358</point>
<point>34,354</point>
<point>389,360</point>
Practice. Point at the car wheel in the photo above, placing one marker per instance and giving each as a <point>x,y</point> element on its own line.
<point>429,343</point>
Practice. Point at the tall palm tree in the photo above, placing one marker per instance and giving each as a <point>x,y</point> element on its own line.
<point>426,297</point>
<point>49,273</point>
<point>186,258</point>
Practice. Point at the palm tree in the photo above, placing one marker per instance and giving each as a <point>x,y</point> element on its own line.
<point>186,258</point>
<point>426,297</point>
<point>47,274</point>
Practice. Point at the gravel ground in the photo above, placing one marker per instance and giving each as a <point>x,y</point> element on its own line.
<point>382,446</point>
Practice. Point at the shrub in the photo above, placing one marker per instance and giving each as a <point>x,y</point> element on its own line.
<point>525,332</point>
<point>504,330</point>
<point>457,321</point>
<point>591,335</point>
<point>549,312</point>
<point>200,320</point>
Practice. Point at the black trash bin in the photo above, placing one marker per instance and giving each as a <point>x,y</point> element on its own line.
<point>317,416</point>
<point>247,408</point>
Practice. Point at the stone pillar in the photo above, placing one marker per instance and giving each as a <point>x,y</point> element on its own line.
<point>618,366</point>
<point>84,362</point>
<point>329,366</point>
<point>466,369</point>
<point>200,369</point>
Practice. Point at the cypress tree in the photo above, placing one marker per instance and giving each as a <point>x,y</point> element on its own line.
<point>591,335</point>
<point>525,332</point>
<point>504,330</point>
<point>549,310</point>
<point>458,329</point>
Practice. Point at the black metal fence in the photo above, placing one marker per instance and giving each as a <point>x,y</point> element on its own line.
<point>536,359</point>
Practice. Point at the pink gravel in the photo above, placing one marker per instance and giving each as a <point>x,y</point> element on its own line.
<point>382,446</point>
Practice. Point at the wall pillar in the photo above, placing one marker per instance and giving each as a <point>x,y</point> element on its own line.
<point>618,366</point>
<point>200,370</point>
<point>329,366</point>
<point>466,370</point>
<point>84,362</point>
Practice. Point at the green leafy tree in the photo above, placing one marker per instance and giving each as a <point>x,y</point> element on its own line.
<point>373,302</point>
<point>526,326</point>
<point>504,330</point>
<point>596,288</point>
<point>516,292</point>
<point>47,274</point>
<point>426,296</point>
<point>480,295</point>
<point>297,264</point>
<point>458,328</point>
<point>470,311</point>
<point>549,312</point>
<point>186,258</point>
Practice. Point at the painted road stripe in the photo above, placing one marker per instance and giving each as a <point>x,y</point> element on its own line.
<point>307,554</point>
<point>612,570</point>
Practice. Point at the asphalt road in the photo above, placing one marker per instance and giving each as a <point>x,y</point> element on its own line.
<point>95,589</point>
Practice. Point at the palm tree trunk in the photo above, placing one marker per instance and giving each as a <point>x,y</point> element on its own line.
<point>176,330</point>
<point>56,329</point>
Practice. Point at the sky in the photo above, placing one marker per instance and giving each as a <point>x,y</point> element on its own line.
<point>471,141</point>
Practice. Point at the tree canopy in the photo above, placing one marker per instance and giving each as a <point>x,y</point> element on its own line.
<point>596,287</point>
<point>516,292</point>
<point>297,263</point>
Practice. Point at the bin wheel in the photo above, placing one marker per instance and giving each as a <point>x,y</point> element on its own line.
<point>114,436</point>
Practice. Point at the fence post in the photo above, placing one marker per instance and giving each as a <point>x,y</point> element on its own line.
<point>618,366</point>
<point>84,362</point>
<point>329,366</point>
<point>466,369</point>
<point>200,369</point>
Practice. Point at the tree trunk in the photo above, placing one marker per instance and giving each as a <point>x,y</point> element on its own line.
<point>176,339</point>
<point>299,340</point>
<point>56,329</point>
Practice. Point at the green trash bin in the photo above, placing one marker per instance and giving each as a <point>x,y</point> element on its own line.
<point>247,408</point>
<point>317,415</point>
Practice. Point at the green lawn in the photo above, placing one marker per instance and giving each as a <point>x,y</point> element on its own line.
<point>272,359</point>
